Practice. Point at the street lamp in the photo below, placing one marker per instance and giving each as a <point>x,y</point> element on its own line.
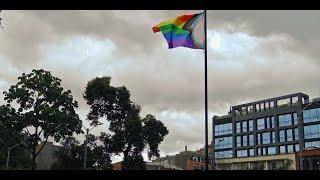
<point>8,154</point>
<point>86,146</point>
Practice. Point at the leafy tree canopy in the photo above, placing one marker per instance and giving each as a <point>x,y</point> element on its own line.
<point>38,106</point>
<point>130,133</point>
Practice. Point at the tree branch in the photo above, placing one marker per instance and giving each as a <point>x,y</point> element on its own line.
<point>40,132</point>
<point>45,142</point>
<point>20,142</point>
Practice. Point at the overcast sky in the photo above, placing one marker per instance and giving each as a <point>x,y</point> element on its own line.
<point>252,55</point>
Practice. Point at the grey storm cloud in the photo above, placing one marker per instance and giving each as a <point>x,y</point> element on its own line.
<point>258,50</point>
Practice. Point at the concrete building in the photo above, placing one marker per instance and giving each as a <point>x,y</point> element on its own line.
<point>185,160</point>
<point>46,157</point>
<point>267,129</point>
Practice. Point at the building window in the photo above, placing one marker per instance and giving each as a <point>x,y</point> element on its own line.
<point>271,104</point>
<point>225,142</point>
<point>272,122</point>
<point>295,118</point>
<point>245,140</point>
<point>311,115</point>
<point>285,120</point>
<point>312,144</point>
<point>271,150</point>
<point>223,129</point>
<point>282,137</point>
<point>244,126</point>
<point>238,127</point>
<point>259,138</point>
<point>195,158</point>
<point>258,151</point>
<point>260,123</point>
<point>273,134</point>
<point>289,135</point>
<point>296,146</point>
<point>266,138</point>
<point>290,148</point>
<point>250,125</point>
<point>251,152</point>
<point>238,141</point>
<point>242,153</point>
<point>223,154</point>
<point>296,134</point>
<point>264,151</point>
<point>312,131</point>
<point>251,140</point>
<point>282,149</point>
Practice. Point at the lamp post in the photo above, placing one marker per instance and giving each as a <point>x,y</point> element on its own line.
<point>8,154</point>
<point>86,146</point>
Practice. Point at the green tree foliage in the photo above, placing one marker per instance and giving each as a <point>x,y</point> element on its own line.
<point>71,155</point>
<point>38,106</point>
<point>19,158</point>
<point>130,133</point>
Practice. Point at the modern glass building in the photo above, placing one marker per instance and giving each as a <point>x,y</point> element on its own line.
<point>272,126</point>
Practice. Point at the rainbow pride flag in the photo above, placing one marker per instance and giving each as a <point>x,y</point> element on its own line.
<point>183,31</point>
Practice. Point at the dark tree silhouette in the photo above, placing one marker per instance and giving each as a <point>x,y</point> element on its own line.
<point>70,155</point>
<point>130,134</point>
<point>39,107</point>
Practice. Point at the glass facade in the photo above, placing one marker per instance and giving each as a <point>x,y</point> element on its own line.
<point>238,141</point>
<point>238,127</point>
<point>311,115</point>
<point>225,142</point>
<point>312,131</point>
<point>289,135</point>
<point>223,129</point>
<point>285,120</point>
<point>264,151</point>
<point>266,138</point>
<point>258,151</point>
<point>296,134</point>
<point>244,126</point>
<point>251,152</point>
<point>276,131</point>
<point>223,154</point>
<point>271,150</point>
<point>273,134</point>
<point>270,122</point>
<point>245,140</point>
<point>251,140</point>
<point>290,148</point>
<point>295,119</point>
<point>242,153</point>
<point>258,138</point>
<point>282,137</point>
<point>282,149</point>
<point>250,125</point>
<point>296,146</point>
<point>260,124</point>
<point>312,144</point>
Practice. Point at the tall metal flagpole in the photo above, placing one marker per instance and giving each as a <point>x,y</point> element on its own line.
<point>206,89</point>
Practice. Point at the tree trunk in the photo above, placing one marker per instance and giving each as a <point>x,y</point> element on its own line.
<point>34,164</point>
<point>34,149</point>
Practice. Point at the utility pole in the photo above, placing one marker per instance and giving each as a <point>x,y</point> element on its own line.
<point>86,150</point>
<point>8,155</point>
